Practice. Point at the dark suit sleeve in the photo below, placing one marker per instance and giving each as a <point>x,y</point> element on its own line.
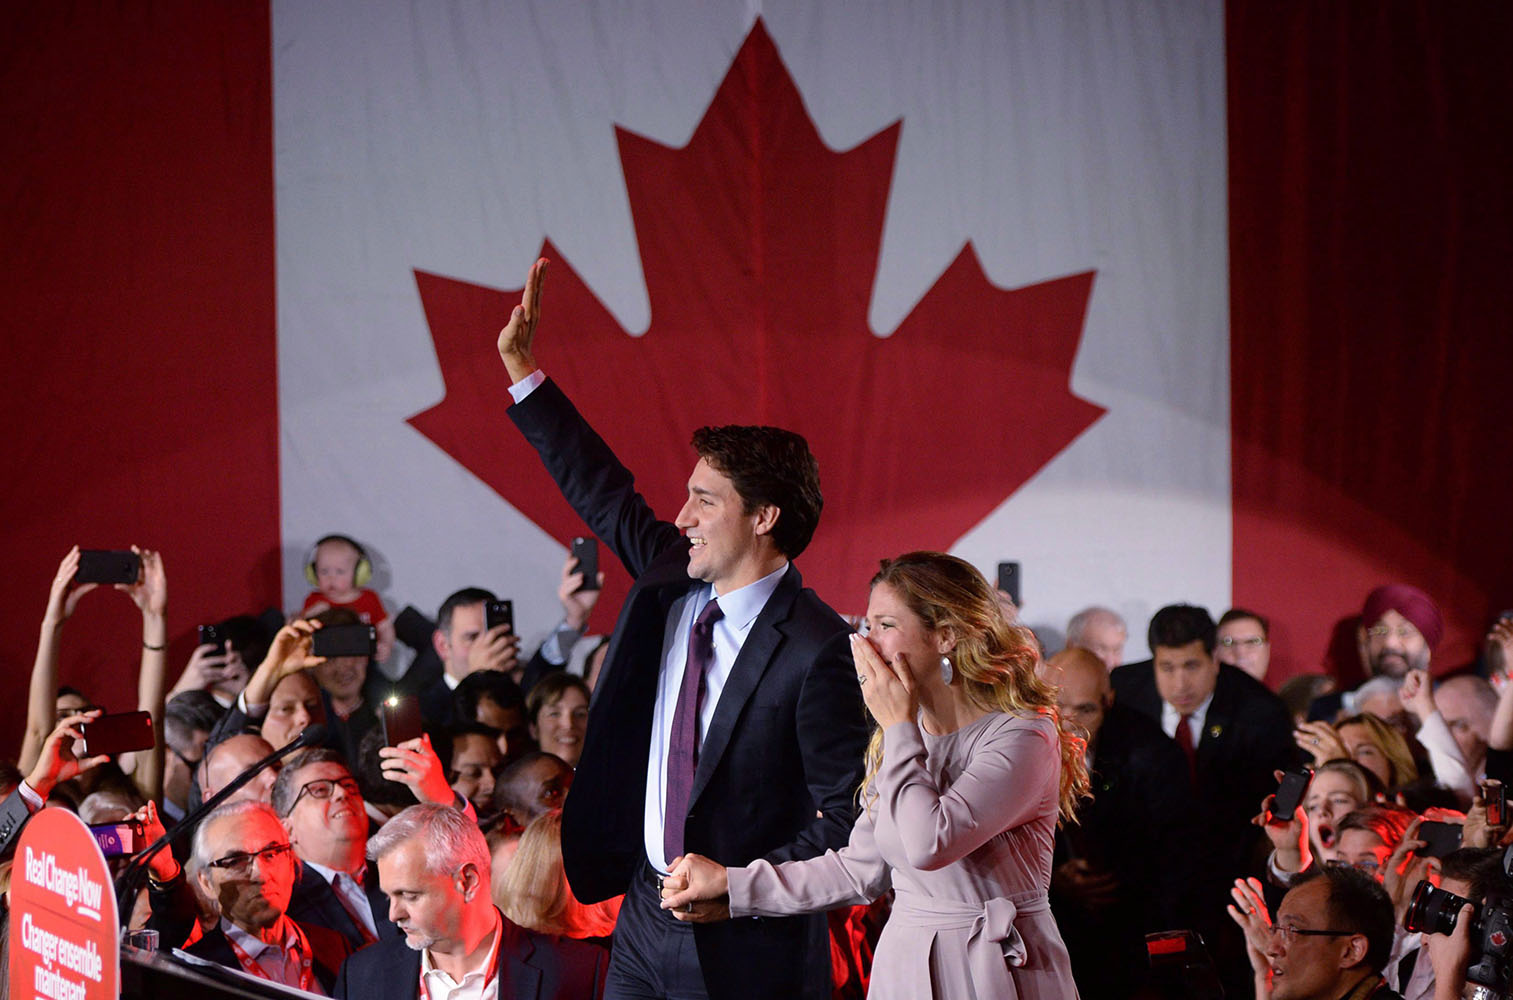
<point>13,816</point>
<point>591,478</point>
<point>339,989</point>
<point>172,909</point>
<point>832,736</point>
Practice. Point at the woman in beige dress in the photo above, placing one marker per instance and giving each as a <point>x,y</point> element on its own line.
<point>967,774</point>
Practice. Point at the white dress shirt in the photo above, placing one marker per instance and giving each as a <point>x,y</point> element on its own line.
<point>479,983</point>
<point>351,895</point>
<point>1170,717</point>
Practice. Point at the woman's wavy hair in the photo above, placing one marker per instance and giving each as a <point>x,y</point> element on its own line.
<point>533,890</point>
<point>1391,743</point>
<point>994,660</point>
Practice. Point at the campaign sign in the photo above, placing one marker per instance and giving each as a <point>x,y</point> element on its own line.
<point>64,933</point>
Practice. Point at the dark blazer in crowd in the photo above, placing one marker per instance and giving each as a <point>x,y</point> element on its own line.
<point>530,966</point>
<point>779,767</point>
<point>329,949</point>
<point>1247,735</point>
<point>315,902</point>
<point>1134,827</point>
<point>13,816</point>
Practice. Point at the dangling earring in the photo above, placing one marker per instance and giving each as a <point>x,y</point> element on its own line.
<point>946,673</point>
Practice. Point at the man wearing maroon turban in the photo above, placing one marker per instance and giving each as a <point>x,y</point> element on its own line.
<point>1400,626</point>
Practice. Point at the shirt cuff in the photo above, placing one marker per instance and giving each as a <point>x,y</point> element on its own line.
<point>527,385</point>
<point>557,645</point>
<point>30,797</point>
<point>248,710</point>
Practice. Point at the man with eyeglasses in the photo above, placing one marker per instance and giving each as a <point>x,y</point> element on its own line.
<point>1245,642</point>
<point>243,861</point>
<point>1330,940</point>
<point>320,806</point>
<point>1399,627</point>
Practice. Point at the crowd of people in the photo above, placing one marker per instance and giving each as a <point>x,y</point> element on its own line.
<point>738,794</point>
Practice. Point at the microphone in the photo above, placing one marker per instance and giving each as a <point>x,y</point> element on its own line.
<point>130,876</point>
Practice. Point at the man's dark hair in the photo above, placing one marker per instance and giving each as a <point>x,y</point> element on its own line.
<point>511,792</point>
<point>376,787</point>
<point>550,689</point>
<point>466,597</point>
<point>1176,625</point>
<point>448,738</point>
<point>1240,615</point>
<point>249,636</point>
<point>1480,866</point>
<point>495,685</point>
<point>285,791</point>
<point>1359,904</point>
<point>187,713</point>
<point>768,465</point>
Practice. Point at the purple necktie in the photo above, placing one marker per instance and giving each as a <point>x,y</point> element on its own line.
<point>683,749</point>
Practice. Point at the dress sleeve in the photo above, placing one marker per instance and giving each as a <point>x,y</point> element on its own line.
<point>853,875</point>
<point>1011,770</point>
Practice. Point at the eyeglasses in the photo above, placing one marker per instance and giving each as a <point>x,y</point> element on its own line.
<point>321,788</point>
<point>1402,631</point>
<point>1230,642</point>
<point>240,862</point>
<point>1290,934</point>
<point>1369,867</point>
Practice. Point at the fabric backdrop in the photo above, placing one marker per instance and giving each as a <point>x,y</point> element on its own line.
<point>994,263</point>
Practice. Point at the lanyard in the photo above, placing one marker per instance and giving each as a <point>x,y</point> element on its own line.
<point>306,974</point>
<point>491,967</point>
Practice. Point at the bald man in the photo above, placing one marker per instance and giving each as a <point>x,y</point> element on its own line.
<point>227,759</point>
<point>1118,871</point>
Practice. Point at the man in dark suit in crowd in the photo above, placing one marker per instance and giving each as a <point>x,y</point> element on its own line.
<point>434,865</point>
<point>320,805</point>
<point>1111,883</point>
<point>243,861</point>
<point>1234,733</point>
<point>465,647</point>
<point>728,720</point>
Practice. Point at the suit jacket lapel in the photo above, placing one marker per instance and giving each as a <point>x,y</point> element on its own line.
<point>745,674</point>
<point>519,976</point>
<point>322,906</point>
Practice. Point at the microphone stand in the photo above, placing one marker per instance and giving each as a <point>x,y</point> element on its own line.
<point>130,878</point>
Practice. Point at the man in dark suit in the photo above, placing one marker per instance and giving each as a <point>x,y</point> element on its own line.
<point>727,719</point>
<point>1111,883</point>
<point>337,887</point>
<point>1234,734</point>
<point>434,866</point>
<point>243,861</point>
<point>465,647</point>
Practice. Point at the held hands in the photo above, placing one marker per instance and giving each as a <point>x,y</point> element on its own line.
<point>61,601</point>
<point>697,891</point>
<point>516,337</point>
<point>58,762</point>
<point>415,764</point>
<point>887,688</point>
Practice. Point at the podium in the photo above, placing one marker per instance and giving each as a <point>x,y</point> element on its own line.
<point>161,975</point>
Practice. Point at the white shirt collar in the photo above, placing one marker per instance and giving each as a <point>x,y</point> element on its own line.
<point>741,606</point>
<point>1170,717</point>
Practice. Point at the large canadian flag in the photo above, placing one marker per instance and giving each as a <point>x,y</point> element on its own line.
<point>990,289</point>
<point>986,257</point>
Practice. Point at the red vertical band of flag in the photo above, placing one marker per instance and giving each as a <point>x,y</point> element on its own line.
<point>142,397</point>
<point>1370,237</point>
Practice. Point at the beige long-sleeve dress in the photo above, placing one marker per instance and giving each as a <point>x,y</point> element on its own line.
<point>962,828</point>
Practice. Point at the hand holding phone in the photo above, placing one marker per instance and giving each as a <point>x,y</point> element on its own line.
<point>586,552</point>
<point>344,640</point>
<point>1289,795</point>
<point>108,566</point>
<point>400,717</point>
<point>124,732</point>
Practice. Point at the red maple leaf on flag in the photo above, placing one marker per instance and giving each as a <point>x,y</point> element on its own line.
<point>759,247</point>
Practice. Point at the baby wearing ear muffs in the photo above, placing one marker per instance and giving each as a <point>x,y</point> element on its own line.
<point>340,570</point>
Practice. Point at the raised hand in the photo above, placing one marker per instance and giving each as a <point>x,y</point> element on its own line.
<point>415,764</point>
<point>887,688</point>
<point>577,604</point>
<point>1417,694</point>
<point>516,339</point>
<point>58,762</point>
<point>150,592</point>
<point>1320,740</point>
<point>61,600</point>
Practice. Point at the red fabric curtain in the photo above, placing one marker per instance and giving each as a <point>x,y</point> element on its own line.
<point>1371,238</point>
